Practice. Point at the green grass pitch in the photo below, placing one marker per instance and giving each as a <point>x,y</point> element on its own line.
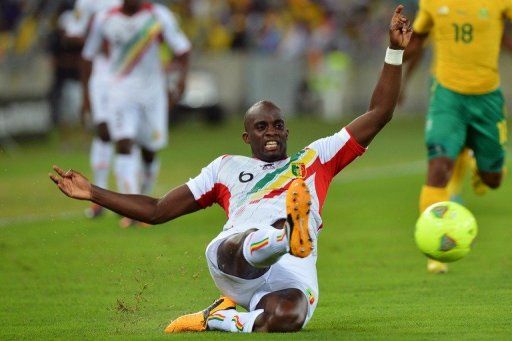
<point>62,276</point>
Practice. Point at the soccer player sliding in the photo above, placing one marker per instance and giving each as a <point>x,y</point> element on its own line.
<point>265,257</point>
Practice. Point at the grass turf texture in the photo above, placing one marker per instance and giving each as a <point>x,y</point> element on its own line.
<point>63,276</point>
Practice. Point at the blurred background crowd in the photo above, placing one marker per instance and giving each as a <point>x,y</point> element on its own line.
<point>300,53</point>
<point>286,28</point>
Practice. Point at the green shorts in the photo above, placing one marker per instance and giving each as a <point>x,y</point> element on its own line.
<point>476,121</point>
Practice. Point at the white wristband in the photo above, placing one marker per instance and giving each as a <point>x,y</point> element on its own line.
<point>394,57</point>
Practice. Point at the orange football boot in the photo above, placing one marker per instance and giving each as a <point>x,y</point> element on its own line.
<point>298,203</point>
<point>197,322</point>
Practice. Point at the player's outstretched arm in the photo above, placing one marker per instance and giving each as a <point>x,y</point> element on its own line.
<point>179,66</point>
<point>85,75</point>
<point>385,95</point>
<point>175,203</point>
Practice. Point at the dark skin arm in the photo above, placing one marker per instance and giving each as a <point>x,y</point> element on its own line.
<point>385,96</point>
<point>180,64</point>
<point>85,73</point>
<point>506,41</point>
<point>412,57</point>
<point>177,202</point>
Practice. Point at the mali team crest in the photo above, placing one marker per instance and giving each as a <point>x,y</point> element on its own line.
<point>299,169</point>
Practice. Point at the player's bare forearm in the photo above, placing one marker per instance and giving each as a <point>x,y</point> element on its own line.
<point>176,203</point>
<point>383,102</point>
<point>413,54</point>
<point>506,41</point>
<point>180,63</point>
<point>85,74</point>
<point>386,92</point>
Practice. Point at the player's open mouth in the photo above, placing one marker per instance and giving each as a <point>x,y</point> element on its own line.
<point>271,145</point>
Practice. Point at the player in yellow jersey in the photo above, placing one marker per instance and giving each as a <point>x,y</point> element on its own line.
<point>466,105</point>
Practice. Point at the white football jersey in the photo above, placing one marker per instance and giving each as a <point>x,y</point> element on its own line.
<point>254,191</point>
<point>133,44</point>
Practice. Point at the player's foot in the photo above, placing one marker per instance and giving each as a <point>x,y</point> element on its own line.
<point>479,187</point>
<point>94,211</point>
<point>125,222</point>
<point>298,202</point>
<point>436,267</point>
<point>197,322</point>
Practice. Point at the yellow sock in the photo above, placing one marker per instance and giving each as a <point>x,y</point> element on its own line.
<point>430,195</point>
<point>479,187</point>
<point>462,164</point>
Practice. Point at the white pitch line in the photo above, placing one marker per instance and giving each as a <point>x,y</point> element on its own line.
<point>31,218</point>
<point>348,176</point>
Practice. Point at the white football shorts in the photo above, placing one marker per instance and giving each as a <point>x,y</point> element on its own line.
<point>142,117</point>
<point>98,94</point>
<point>289,272</point>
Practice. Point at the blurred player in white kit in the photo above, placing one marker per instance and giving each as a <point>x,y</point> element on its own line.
<point>137,112</point>
<point>95,94</point>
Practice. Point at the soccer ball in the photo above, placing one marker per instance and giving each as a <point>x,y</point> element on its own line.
<point>445,231</point>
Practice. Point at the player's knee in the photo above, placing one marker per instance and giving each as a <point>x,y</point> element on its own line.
<point>231,260</point>
<point>147,155</point>
<point>493,180</point>
<point>284,311</point>
<point>102,132</point>
<point>439,171</point>
<point>124,146</point>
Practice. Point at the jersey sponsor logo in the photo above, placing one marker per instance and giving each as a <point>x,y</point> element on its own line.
<point>299,170</point>
<point>483,13</point>
<point>443,10</point>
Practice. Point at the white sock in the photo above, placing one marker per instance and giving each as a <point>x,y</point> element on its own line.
<point>149,174</point>
<point>126,168</point>
<point>264,247</point>
<point>230,320</point>
<point>101,156</point>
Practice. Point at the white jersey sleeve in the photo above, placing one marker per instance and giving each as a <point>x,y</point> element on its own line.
<point>206,188</point>
<point>171,31</point>
<point>337,151</point>
<point>95,37</point>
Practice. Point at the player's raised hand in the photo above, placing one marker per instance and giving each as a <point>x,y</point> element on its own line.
<point>400,30</point>
<point>72,183</point>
